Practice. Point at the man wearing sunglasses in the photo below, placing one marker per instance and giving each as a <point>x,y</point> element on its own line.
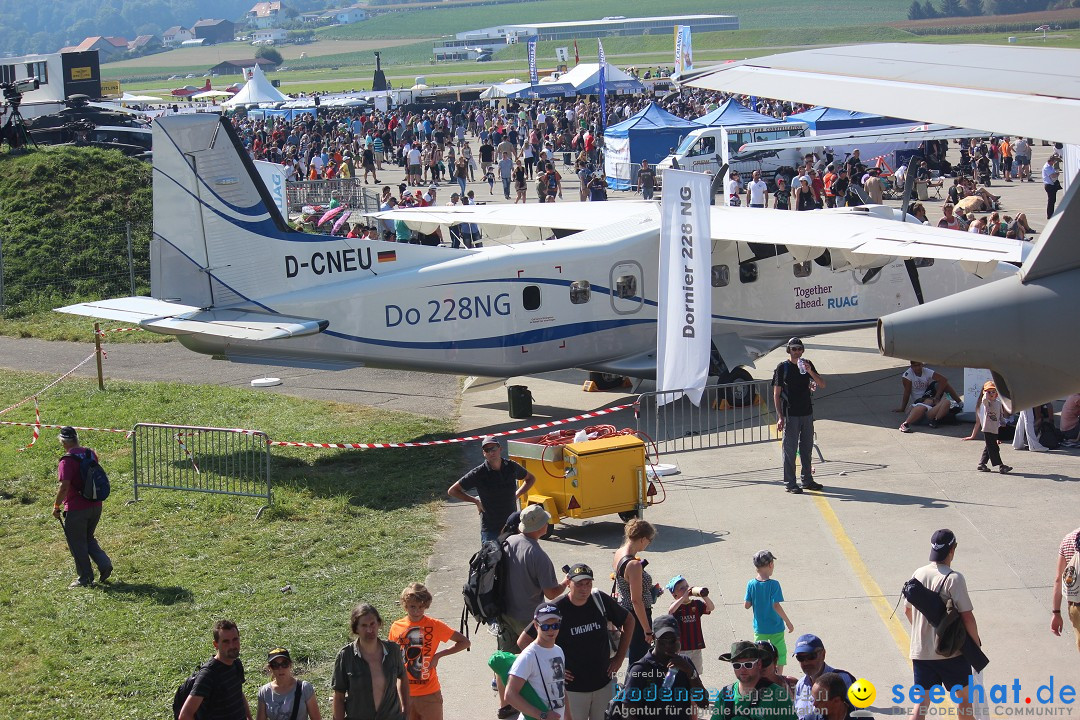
<point>497,490</point>
<point>543,665</point>
<point>810,652</point>
<point>752,696</point>
<point>793,382</point>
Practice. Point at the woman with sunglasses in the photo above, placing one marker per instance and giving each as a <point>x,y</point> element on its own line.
<point>278,698</point>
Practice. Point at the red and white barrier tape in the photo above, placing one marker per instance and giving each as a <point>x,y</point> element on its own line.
<point>112,330</point>
<point>57,427</point>
<point>50,385</point>
<point>183,447</point>
<point>37,427</point>
<point>451,441</point>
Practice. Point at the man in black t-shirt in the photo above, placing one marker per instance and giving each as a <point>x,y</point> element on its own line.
<point>218,693</point>
<point>585,641</point>
<point>793,381</point>
<point>496,484</point>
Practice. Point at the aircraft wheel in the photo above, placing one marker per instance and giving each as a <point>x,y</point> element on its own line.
<point>739,397</point>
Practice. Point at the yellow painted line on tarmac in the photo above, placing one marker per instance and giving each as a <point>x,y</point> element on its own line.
<point>869,585</point>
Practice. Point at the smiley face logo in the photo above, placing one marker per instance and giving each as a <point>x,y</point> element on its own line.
<point>862,693</point>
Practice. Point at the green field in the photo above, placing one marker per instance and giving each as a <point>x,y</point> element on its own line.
<point>773,14</point>
<point>345,526</point>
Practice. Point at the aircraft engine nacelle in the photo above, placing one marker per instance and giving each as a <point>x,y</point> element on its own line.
<point>1003,326</point>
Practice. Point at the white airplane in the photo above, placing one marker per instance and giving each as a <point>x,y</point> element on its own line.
<point>230,279</point>
<point>1021,326</point>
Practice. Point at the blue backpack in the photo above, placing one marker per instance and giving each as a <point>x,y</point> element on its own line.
<point>95,487</point>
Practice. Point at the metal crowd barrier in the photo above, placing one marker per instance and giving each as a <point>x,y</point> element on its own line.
<point>220,461</point>
<point>351,192</point>
<point>737,413</point>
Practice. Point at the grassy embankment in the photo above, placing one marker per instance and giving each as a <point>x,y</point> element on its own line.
<point>64,216</point>
<point>345,526</point>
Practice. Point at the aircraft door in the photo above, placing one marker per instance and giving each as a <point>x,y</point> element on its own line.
<point>627,287</point>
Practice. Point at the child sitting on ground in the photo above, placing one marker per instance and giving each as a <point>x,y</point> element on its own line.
<point>689,606</point>
<point>419,637</point>
<point>764,595</point>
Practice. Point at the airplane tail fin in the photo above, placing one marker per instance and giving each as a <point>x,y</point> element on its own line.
<point>1004,325</point>
<point>211,214</point>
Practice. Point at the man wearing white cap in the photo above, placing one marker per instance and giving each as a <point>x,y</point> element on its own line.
<point>497,490</point>
<point>543,665</point>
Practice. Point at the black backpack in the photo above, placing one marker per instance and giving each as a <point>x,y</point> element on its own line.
<point>95,485</point>
<point>483,591</point>
<point>182,692</point>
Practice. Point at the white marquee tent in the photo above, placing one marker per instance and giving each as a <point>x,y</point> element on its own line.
<point>257,90</point>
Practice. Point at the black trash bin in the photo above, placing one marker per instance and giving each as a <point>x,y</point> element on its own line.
<point>520,400</point>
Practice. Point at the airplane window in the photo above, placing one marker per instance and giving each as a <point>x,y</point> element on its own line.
<point>747,272</point>
<point>580,292</point>
<point>626,287</point>
<point>530,297</point>
<point>721,275</point>
<point>924,262</point>
<point>802,269</point>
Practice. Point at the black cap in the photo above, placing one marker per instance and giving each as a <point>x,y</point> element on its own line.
<point>941,543</point>
<point>68,433</point>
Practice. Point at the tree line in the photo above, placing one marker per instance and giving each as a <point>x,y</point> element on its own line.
<point>48,25</point>
<point>927,10</point>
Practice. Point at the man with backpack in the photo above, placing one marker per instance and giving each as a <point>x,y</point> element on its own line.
<point>216,690</point>
<point>79,500</point>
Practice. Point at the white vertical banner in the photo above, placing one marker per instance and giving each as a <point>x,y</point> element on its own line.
<point>273,176</point>
<point>725,159</point>
<point>684,51</point>
<point>533,79</point>
<point>684,313</point>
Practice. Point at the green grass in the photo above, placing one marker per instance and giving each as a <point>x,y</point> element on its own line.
<point>773,14</point>
<point>48,325</point>
<point>65,213</point>
<point>345,526</point>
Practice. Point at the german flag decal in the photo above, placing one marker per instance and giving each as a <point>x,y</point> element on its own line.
<point>388,256</point>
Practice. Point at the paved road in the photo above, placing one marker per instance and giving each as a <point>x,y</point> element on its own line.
<point>424,393</point>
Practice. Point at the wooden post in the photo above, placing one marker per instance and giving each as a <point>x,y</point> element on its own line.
<point>97,354</point>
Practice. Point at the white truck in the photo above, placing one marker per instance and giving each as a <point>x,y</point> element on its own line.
<point>705,149</point>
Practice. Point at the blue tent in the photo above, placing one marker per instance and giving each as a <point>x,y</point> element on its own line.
<point>645,136</point>
<point>732,114</point>
<point>829,120</point>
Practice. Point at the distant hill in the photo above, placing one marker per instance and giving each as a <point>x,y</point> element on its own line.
<point>48,25</point>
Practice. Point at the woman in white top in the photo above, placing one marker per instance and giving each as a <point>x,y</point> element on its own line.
<point>278,697</point>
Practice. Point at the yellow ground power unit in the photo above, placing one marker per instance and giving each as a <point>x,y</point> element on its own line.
<point>585,479</point>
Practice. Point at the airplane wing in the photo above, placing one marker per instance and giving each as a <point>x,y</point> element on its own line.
<point>1039,86</point>
<point>563,216</point>
<point>914,133</point>
<point>172,319</point>
<point>868,233</point>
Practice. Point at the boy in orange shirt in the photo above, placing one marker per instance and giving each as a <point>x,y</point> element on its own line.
<point>419,637</point>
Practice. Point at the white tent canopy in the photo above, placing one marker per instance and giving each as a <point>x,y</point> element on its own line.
<point>128,97</point>
<point>257,90</point>
<point>586,77</point>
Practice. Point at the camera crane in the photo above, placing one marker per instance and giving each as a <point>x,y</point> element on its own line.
<point>14,130</point>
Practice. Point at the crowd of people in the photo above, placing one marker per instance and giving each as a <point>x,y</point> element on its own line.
<point>522,145</point>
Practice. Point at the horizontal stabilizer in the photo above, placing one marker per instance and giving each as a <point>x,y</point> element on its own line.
<point>173,319</point>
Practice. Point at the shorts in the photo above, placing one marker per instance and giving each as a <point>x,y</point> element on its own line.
<point>509,631</point>
<point>414,169</point>
<point>426,707</point>
<point>778,641</point>
<point>948,673</point>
